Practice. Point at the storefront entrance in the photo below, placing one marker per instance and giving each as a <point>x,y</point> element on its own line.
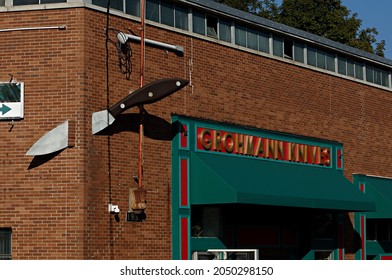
<point>277,232</point>
<point>241,188</point>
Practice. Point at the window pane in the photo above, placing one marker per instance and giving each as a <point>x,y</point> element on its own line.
<point>390,230</point>
<point>288,48</point>
<point>321,59</point>
<point>115,4</point>
<point>359,70</point>
<point>278,46</point>
<point>167,13</point>
<point>152,10</point>
<point>377,76</point>
<point>133,8</point>
<point>312,56</point>
<point>2,2</point>
<point>350,67</point>
<point>240,35</point>
<point>181,15</point>
<point>371,229</point>
<point>5,243</point>
<point>212,27</point>
<point>264,42</point>
<point>384,78</point>
<point>224,30</point>
<point>118,6</point>
<point>252,40</point>
<point>199,23</point>
<point>330,61</point>
<point>382,230</point>
<point>30,2</point>
<point>299,52</point>
<point>342,65</point>
<point>369,74</point>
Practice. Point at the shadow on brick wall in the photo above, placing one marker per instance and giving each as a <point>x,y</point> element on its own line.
<point>154,127</point>
<point>39,160</point>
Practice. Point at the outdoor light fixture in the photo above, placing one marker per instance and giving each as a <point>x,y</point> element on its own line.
<point>123,38</point>
<point>147,94</point>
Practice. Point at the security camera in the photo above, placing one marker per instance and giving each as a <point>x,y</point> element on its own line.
<point>113,209</point>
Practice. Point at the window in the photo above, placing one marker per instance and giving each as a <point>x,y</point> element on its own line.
<point>384,78</point>
<point>25,2</point>
<point>288,48</point>
<point>358,70</point>
<point>323,225</point>
<point>2,2</point>
<point>320,57</point>
<point>152,10</point>
<point>212,27</point>
<point>342,65</point>
<point>379,229</point>
<point>5,243</point>
<point>369,74</point>
<point>115,4</point>
<point>264,42</point>
<point>199,23</point>
<point>225,30</point>
<point>277,46</point>
<point>63,1</point>
<point>167,13</point>
<point>181,17</point>
<point>133,8</point>
<point>330,60</point>
<point>240,35</point>
<point>377,76</point>
<point>350,67</point>
<point>312,60</point>
<point>299,52</point>
<point>252,39</point>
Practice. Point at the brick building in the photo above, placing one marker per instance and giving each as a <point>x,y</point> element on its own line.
<point>279,142</point>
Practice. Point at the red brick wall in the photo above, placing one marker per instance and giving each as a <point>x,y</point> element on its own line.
<point>57,206</point>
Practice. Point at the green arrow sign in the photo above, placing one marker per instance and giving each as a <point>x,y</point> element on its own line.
<point>5,109</point>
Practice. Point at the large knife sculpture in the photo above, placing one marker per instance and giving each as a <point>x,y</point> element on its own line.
<point>147,94</point>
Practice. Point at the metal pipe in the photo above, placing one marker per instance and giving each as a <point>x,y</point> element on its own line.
<point>60,27</point>
<point>176,49</point>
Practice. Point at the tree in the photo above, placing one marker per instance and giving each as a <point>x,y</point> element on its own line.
<point>327,18</point>
<point>265,8</point>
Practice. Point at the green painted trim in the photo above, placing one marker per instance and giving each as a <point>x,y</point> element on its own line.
<point>205,243</point>
<point>378,189</point>
<point>358,180</point>
<point>176,254</point>
<point>186,214</point>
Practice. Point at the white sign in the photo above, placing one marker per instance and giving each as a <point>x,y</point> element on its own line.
<point>11,100</point>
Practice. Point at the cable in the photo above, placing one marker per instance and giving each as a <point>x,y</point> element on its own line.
<point>107,96</point>
<point>124,53</point>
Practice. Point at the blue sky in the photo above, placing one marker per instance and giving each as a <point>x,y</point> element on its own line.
<point>376,13</point>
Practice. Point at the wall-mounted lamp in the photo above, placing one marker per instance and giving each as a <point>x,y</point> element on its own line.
<point>123,38</point>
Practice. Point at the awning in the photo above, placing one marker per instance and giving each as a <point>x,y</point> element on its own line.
<point>380,191</point>
<point>220,179</point>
